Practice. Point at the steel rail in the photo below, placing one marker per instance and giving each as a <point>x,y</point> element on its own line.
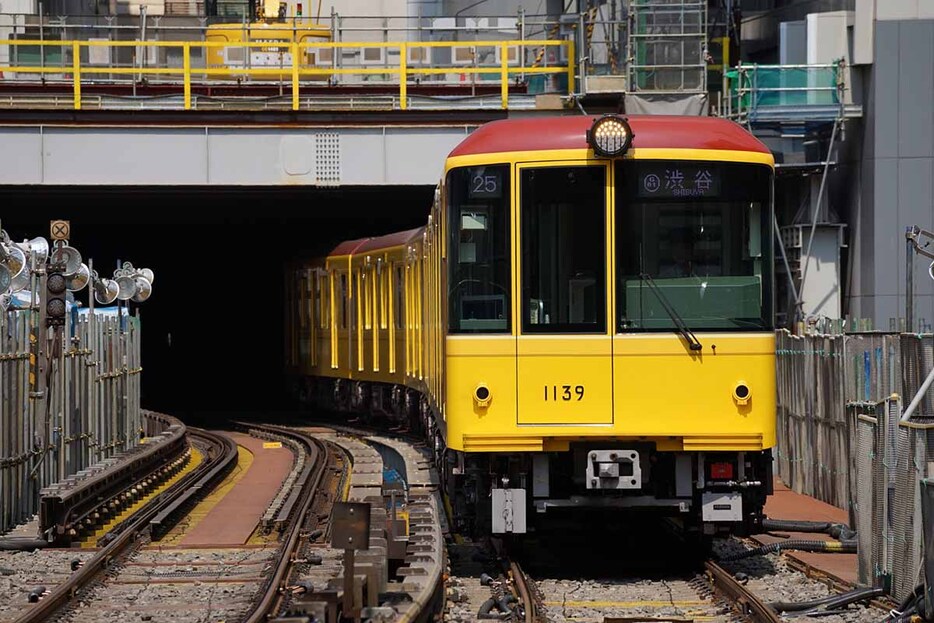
<point>163,521</point>
<point>128,531</point>
<point>525,593</point>
<point>318,454</point>
<point>748,603</point>
<point>59,510</point>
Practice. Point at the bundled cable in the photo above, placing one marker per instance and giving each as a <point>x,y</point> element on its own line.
<point>845,543</point>
<point>839,547</point>
<point>831,602</point>
<point>836,530</point>
<point>22,544</point>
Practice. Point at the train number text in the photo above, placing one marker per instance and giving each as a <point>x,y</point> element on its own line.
<point>563,392</point>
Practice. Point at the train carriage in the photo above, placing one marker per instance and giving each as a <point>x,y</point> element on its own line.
<point>585,320</point>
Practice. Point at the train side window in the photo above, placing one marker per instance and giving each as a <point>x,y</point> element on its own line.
<point>479,250</point>
<point>563,226</point>
<point>323,305</point>
<point>384,283</point>
<point>343,324</point>
<point>364,290</point>
<point>400,297</point>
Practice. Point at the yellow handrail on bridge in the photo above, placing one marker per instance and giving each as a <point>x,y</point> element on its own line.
<point>295,68</point>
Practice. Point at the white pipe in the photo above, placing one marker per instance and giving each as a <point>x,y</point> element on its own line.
<point>917,399</point>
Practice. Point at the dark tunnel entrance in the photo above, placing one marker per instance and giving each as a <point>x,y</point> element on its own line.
<point>213,342</point>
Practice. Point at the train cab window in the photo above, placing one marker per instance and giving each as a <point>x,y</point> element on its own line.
<point>478,253</point>
<point>695,237</point>
<point>563,225</point>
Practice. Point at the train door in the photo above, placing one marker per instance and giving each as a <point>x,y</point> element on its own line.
<point>564,347</point>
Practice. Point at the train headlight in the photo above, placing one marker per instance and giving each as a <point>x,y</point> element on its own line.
<point>482,395</point>
<point>610,136</point>
<point>741,393</point>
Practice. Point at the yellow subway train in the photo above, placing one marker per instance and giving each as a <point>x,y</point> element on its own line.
<point>585,321</point>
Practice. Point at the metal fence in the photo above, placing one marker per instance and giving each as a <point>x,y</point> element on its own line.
<point>891,459</point>
<point>66,405</point>
<point>841,440</point>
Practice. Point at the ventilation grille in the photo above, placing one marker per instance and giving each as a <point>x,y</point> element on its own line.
<point>327,159</point>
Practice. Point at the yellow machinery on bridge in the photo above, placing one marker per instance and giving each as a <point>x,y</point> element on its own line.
<point>586,320</point>
<point>277,23</point>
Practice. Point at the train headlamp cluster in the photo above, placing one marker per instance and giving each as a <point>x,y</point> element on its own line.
<point>610,136</point>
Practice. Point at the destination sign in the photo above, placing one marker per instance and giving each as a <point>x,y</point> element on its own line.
<point>677,180</point>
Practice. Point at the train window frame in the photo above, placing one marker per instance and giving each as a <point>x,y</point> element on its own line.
<point>479,249</point>
<point>741,194</point>
<point>538,321</point>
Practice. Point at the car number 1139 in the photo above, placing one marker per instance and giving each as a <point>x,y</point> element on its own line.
<point>566,393</point>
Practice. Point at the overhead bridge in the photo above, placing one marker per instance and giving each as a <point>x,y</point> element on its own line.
<point>256,152</point>
<point>78,113</point>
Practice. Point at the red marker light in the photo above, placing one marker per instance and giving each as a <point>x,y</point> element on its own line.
<point>721,471</point>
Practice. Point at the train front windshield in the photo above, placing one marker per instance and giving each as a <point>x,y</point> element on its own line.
<point>701,232</point>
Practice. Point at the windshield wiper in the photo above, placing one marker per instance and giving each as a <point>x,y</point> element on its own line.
<point>682,328</point>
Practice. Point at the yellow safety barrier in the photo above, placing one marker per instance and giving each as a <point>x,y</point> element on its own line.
<point>294,68</point>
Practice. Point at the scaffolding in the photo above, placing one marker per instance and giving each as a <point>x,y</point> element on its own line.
<point>667,47</point>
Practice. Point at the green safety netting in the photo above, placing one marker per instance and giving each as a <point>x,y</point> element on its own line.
<point>754,86</point>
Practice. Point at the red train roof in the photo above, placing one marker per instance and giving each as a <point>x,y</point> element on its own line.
<point>389,240</point>
<point>570,132</point>
<point>347,247</point>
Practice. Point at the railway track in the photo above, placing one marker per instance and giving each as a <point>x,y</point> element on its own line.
<point>714,595</point>
<point>233,582</point>
<point>220,453</point>
<point>594,578</point>
<point>295,521</point>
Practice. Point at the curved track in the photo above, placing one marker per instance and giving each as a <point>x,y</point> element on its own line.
<point>221,454</point>
<point>274,594</point>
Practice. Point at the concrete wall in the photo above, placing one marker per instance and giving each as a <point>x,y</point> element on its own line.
<point>896,169</point>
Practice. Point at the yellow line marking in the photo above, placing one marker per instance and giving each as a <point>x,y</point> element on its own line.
<point>200,511</point>
<point>194,460</point>
<point>660,619</point>
<point>624,604</point>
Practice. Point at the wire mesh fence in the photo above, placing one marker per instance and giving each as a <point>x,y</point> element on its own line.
<point>64,404</point>
<point>841,439</point>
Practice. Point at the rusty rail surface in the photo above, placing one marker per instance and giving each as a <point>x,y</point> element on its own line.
<point>744,600</point>
<point>296,508</point>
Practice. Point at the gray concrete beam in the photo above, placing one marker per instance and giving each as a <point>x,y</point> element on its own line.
<point>225,155</point>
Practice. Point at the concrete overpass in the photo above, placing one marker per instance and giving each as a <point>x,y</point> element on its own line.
<point>95,148</point>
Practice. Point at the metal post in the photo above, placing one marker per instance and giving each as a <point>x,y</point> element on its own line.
<point>820,196</point>
<point>41,38</point>
<point>909,281</point>
<point>580,54</point>
<point>348,583</point>
<point>521,21</point>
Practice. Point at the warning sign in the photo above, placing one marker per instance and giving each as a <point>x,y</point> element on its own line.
<point>61,230</point>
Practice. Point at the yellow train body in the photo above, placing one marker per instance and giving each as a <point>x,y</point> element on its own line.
<point>377,322</point>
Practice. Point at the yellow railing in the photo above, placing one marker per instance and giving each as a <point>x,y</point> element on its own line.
<point>296,70</point>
